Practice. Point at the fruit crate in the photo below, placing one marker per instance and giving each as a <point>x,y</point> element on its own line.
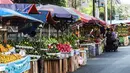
<point>53,66</point>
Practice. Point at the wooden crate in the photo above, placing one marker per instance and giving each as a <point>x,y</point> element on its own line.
<point>71,64</point>
<point>34,67</point>
<point>76,64</point>
<point>65,65</point>
<point>53,66</point>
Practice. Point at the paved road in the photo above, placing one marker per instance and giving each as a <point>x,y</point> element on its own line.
<point>112,62</point>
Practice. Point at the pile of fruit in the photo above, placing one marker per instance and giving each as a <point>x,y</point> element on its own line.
<point>9,58</point>
<point>64,48</point>
<point>5,49</point>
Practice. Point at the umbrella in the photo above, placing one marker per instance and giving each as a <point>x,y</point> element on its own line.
<point>10,13</point>
<point>82,16</point>
<point>6,2</point>
<point>76,16</point>
<point>56,11</point>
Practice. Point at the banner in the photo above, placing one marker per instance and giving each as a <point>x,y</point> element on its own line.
<point>2,67</point>
<point>18,66</point>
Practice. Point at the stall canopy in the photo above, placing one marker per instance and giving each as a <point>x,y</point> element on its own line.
<point>6,2</point>
<point>30,10</point>
<point>76,17</point>
<point>45,16</point>
<point>56,11</point>
<point>82,16</point>
<point>23,8</point>
<point>10,13</point>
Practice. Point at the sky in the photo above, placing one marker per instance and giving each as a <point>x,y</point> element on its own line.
<point>125,1</point>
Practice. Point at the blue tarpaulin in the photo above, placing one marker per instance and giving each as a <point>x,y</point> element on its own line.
<point>23,8</point>
<point>10,13</point>
<point>41,16</point>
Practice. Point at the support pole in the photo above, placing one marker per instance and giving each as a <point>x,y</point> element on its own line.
<point>94,8</point>
<point>75,4</point>
<point>106,17</point>
<point>111,12</point>
<point>49,31</point>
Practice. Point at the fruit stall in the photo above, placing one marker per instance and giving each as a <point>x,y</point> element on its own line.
<point>62,53</point>
<point>37,53</point>
<point>11,61</point>
<point>92,39</point>
<point>122,30</point>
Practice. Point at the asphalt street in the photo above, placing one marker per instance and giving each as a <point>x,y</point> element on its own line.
<point>110,62</point>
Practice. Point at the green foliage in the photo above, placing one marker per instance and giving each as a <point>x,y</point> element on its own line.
<point>123,11</point>
<point>55,2</point>
<point>12,42</point>
<point>88,10</point>
<point>49,41</point>
<point>71,38</point>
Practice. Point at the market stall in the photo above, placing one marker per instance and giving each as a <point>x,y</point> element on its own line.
<point>12,61</point>
<point>52,54</point>
<point>122,30</point>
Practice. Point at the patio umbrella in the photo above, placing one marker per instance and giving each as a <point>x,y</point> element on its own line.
<point>102,22</point>
<point>76,16</point>
<point>96,21</point>
<point>6,13</point>
<point>6,2</point>
<point>82,16</point>
<point>56,11</point>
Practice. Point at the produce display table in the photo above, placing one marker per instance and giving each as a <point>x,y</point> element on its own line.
<point>71,64</point>
<point>64,65</point>
<point>91,49</point>
<point>34,64</point>
<point>99,47</point>
<point>121,40</point>
<point>10,51</point>
<point>17,66</point>
<point>83,54</point>
<point>126,40</point>
<point>53,66</point>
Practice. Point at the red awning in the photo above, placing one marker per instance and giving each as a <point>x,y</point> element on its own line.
<point>82,16</point>
<point>33,10</point>
<point>50,19</point>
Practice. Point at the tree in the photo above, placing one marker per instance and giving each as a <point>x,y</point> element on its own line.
<point>123,11</point>
<point>55,2</point>
<point>88,10</point>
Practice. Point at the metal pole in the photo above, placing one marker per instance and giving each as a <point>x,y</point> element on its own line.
<point>40,37</point>
<point>94,8</point>
<point>49,31</point>
<point>106,17</point>
<point>111,13</point>
<point>75,4</point>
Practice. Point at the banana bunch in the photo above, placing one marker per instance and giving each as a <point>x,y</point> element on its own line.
<point>9,58</point>
<point>5,49</point>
